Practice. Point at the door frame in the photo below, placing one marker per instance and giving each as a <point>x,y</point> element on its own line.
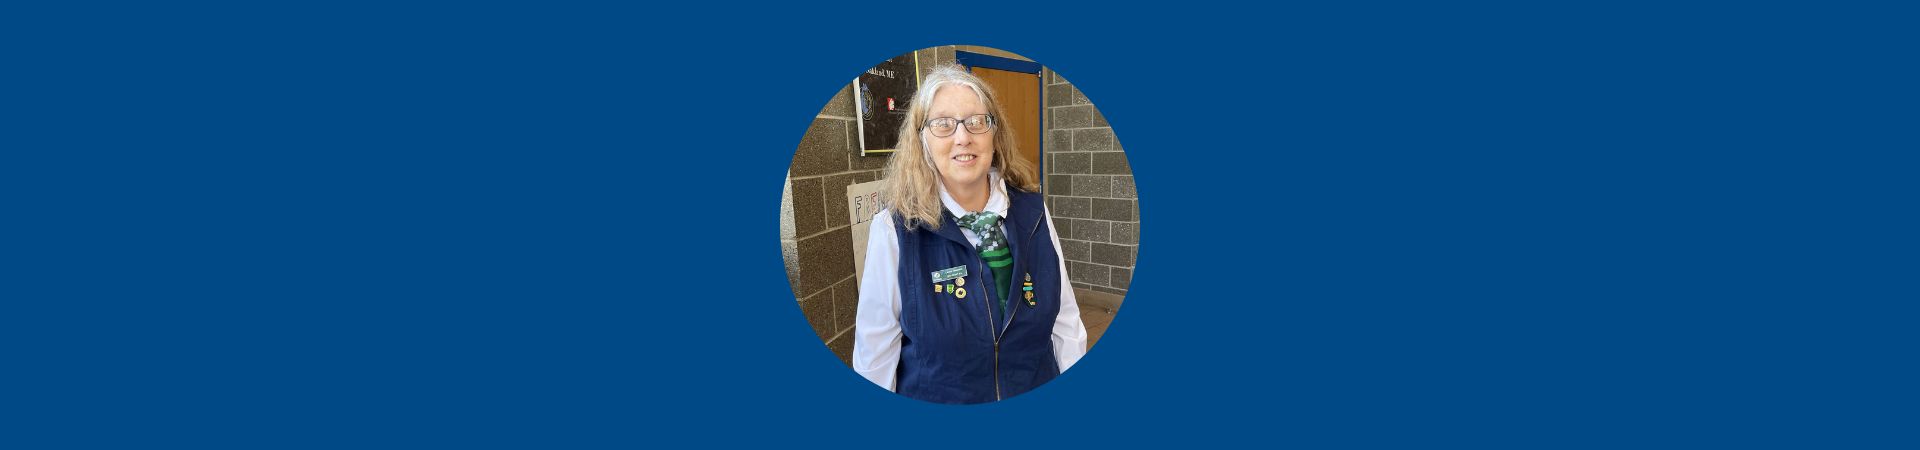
<point>971,60</point>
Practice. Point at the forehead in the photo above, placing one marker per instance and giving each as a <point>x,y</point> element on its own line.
<point>954,100</point>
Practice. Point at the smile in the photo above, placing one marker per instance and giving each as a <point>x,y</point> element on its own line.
<point>964,158</point>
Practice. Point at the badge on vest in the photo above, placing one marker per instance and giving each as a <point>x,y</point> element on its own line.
<point>1028,286</point>
<point>958,277</point>
<point>949,273</point>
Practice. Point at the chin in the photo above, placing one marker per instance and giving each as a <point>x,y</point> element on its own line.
<point>965,178</point>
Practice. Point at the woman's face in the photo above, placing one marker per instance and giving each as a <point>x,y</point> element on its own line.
<point>963,157</point>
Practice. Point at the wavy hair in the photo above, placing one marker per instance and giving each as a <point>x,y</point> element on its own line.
<point>912,187</point>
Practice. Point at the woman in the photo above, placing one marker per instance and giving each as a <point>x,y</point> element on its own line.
<point>964,298</point>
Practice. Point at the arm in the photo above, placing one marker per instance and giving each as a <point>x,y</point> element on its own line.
<point>876,324</point>
<point>1069,333</point>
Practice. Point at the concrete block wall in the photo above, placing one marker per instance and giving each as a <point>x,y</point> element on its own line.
<point>1089,189</point>
<point>1088,185</point>
<point>815,236</point>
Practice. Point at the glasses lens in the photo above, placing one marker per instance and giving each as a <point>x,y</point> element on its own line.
<point>941,127</point>
<point>979,124</point>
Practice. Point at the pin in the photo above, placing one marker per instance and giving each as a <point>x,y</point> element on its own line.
<point>960,292</point>
<point>936,289</point>
<point>960,281</point>
<point>1029,278</point>
<point>949,273</point>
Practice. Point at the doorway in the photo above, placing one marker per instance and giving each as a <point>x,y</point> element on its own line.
<point>1017,82</point>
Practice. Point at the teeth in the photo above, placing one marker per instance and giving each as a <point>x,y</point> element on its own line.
<point>964,158</point>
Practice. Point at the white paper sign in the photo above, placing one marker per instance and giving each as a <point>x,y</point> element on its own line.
<point>863,201</point>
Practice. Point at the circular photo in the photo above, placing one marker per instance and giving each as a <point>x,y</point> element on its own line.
<point>959,224</point>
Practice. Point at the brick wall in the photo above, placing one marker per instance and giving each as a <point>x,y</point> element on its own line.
<point>1089,189</point>
<point>815,237</point>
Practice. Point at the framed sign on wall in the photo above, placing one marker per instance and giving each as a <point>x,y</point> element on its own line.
<point>880,99</point>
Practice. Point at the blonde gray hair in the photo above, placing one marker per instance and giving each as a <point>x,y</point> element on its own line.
<point>912,187</point>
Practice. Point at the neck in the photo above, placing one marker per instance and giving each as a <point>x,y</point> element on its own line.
<point>972,197</point>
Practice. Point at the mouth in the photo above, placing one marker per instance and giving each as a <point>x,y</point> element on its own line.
<point>963,159</point>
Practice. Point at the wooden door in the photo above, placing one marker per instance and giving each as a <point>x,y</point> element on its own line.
<point>1019,95</point>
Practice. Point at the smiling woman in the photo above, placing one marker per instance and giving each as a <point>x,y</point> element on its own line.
<point>961,291</point>
<point>960,205</point>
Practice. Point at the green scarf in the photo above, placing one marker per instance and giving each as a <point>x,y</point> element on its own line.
<point>993,249</point>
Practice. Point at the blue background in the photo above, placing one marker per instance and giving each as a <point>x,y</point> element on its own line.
<point>232,225</point>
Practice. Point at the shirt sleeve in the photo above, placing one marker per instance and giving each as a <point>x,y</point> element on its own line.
<point>876,323</point>
<point>1069,333</point>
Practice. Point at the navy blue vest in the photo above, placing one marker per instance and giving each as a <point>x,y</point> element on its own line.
<point>957,349</point>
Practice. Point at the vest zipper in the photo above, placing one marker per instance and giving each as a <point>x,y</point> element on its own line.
<point>1011,312</point>
<point>986,293</point>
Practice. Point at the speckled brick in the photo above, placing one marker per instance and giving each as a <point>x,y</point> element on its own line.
<point>846,300</point>
<point>1109,163</point>
<point>823,150</point>
<point>1093,274</point>
<point>836,199</point>
<point>1121,278</point>
<point>1093,140</point>
<point>1123,187</point>
<point>1091,230</point>
<point>819,311</point>
<point>1073,163</point>
<point>809,208</point>
<point>824,260</point>
<point>1076,250</point>
<point>877,161</point>
<point>790,254</point>
<point>1060,141</point>
<point>1092,186</point>
<point>1060,95</point>
<point>1059,184</point>
<point>1078,208</point>
<point>1062,226</point>
<point>1125,233</point>
<point>1112,255</point>
<point>842,347</point>
<point>1111,209</point>
<point>1073,116</point>
<point>786,211</point>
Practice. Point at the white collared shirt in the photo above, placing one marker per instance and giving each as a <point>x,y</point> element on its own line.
<point>876,339</point>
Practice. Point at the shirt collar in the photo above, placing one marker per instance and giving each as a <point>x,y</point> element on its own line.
<point>996,198</point>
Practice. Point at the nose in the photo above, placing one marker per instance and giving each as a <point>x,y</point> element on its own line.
<point>962,137</point>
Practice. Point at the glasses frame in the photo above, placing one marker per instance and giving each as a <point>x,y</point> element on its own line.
<point>961,122</point>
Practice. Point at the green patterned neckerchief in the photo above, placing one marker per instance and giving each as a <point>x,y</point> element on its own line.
<point>993,249</point>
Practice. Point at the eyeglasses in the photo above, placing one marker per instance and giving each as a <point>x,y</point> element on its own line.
<point>944,126</point>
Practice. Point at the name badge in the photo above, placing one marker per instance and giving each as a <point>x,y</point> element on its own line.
<point>949,273</point>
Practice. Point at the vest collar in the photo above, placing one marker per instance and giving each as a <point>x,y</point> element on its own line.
<point>996,197</point>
